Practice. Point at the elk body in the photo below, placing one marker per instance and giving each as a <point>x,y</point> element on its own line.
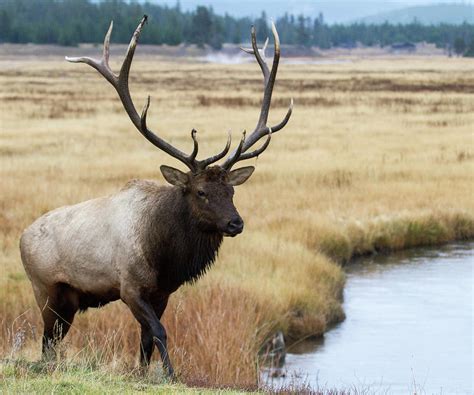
<point>140,244</point>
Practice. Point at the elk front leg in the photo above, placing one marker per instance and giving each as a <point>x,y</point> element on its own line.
<point>146,347</point>
<point>146,344</point>
<point>145,314</point>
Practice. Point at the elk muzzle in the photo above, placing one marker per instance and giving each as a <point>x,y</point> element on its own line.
<point>234,226</point>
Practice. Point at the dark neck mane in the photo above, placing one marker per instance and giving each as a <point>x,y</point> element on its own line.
<point>205,247</point>
<point>174,245</point>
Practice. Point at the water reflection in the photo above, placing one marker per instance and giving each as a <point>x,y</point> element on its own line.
<point>409,327</point>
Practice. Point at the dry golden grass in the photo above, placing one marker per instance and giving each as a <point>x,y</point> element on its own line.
<point>377,156</point>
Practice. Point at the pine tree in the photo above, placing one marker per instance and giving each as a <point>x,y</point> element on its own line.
<point>459,46</point>
<point>201,26</point>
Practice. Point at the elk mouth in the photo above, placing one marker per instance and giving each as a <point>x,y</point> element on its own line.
<point>228,234</point>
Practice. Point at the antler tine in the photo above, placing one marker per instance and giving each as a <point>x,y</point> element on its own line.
<point>258,134</point>
<point>145,113</point>
<point>102,65</point>
<point>247,50</point>
<point>261,128</point>
<point>265,131</point>
<point>257,152</point>
<point>106,50</point>
<point>120,83</point>
<point>265,47</point>
<point>127,62</point>
<point>193,155</point>
<point>267,96</point>
<point>206,162</point>
<point>254,51</point>
<point>258,56</point>
<point>168,148</point>
<point>234,158</point>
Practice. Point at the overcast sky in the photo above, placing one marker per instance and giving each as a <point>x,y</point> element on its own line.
<point>334,11</point>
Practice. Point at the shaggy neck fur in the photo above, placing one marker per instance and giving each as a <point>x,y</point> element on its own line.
<point>173,242</point>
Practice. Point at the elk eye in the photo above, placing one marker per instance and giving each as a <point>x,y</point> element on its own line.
<point>201,193</point>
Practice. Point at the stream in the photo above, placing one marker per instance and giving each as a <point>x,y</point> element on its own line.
<point>408,328</point>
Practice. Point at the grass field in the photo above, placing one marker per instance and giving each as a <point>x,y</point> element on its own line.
<point>377,156</point>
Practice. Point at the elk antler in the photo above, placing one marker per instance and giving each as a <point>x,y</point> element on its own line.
<point>268,82</point>
<point>120,83</point>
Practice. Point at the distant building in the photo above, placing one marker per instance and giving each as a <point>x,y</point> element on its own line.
<point>348,45</point>
<point>403,47</point>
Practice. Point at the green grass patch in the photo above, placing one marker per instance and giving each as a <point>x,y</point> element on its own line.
<point>21,376</point>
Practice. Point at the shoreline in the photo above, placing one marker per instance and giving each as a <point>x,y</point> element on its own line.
<point>387,236</point>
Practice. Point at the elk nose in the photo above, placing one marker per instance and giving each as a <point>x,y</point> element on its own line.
<point>235,226</point>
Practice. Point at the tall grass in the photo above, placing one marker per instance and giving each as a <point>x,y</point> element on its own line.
<point>378,156</point>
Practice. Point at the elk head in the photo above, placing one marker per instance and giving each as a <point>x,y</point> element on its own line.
<point>208,189</point>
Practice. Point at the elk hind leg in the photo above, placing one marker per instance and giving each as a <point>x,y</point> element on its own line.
<point>58,313</point>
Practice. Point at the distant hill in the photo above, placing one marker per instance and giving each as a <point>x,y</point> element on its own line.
<point>427,15</point>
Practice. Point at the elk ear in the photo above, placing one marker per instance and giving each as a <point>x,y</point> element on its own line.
<point>174,176</point>
<point>239,176</point>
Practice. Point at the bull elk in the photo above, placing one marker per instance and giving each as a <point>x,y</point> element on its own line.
<point>142,243</point>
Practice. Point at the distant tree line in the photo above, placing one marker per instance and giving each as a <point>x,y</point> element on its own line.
<point>69,22</point>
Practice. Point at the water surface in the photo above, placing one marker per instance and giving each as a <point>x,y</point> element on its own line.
<point>409,327</point>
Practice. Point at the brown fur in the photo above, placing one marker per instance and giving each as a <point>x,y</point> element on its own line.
<point>138,245</point>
